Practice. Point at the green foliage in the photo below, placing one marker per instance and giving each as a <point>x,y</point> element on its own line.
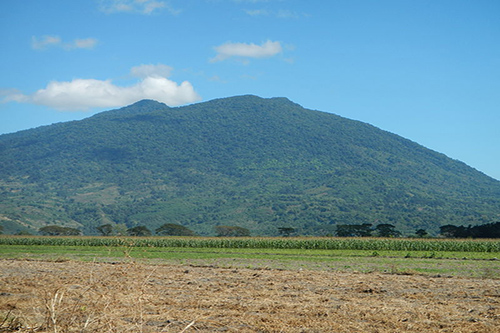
<point>310,243</point>
<point>489,230</point>
<point>105,229</point>
<point>55,230</point>
<point>171,229</point>
<point>258,163</point>
<point>139,231</point>
<point>366,230</point>
<point>386,230</point>
<point>421,233</point>
<point>286,231</point>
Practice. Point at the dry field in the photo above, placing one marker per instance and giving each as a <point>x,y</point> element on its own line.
<point>72,296</point>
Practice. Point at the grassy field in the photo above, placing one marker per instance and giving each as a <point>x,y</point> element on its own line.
<point>96,284</point>
<point>464,258</point>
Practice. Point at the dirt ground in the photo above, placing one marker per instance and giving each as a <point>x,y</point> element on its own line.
<point>71,296</point>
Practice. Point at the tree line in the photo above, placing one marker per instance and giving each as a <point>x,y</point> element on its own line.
<point>167,229</point>
<point>489,230</point>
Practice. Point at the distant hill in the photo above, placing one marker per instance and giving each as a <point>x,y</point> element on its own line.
<point>242,161</point>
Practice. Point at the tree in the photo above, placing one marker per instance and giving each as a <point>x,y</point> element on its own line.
<point>105,229</point>
<point>121,229</point>
<point>286,231</point>
<point>139,231</point>
<point>229,231</point>
<point>23,233</point>
<point>1,229</point>
<point>56,230</point>
<point>421,233</point>
<point>449,231</point>
<point>489,230</point>
<point>387,230</point>
<point>171,229</point>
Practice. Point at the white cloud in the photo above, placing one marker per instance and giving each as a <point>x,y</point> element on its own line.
<point>242,50</point>
<point>143,71</point>
<point>83,94</point>
<point>135,6</point>
<point>151,6</point>
<point>87,43</point>
<point>55,41</point>
<point>44,42</point>
<point>12,95</point>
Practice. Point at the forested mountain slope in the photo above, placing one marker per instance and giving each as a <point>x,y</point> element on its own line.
<point>243,161</point>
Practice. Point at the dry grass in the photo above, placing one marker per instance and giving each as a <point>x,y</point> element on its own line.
<point>72,296</point>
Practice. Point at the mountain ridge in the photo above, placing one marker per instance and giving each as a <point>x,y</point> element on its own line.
<point>248,161</point>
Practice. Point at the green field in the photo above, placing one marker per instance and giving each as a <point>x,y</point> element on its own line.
<point>466,258</point>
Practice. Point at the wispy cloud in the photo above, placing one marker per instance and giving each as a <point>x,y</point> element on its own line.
<point>83,94</point>
<point>245,51</point>
<point>45,42</point>
<point>87,43</point>
<point>158,70</point>
<point>257,12</point>
<point>136,6</point>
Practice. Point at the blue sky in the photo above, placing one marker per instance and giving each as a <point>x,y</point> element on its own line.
<point>426,70</point>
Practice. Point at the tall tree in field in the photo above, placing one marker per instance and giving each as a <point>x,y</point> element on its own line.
<point>386,230</point>
<point>171,229</point>
<point>421,233</point>
<point>354,230</point>
<point>56,230</point>
<point>139,231</point>
<point>105,229</point>
<point>286,231</point>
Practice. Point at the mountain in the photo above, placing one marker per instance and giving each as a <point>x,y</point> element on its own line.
<point>242,161</point>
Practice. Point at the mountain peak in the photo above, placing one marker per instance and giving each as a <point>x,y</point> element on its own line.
<point>254,162</point>
<point>148,103</point>
<point>247,100</point>
<point>139,107</point>
<point>255,98</point>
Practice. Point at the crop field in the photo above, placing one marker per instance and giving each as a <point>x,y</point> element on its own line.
<point>174,284</point>
<point>309,243</point>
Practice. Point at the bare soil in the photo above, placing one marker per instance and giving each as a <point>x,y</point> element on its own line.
<point>72,296</point>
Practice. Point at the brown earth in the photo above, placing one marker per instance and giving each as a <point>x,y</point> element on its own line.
<point>71,296</point>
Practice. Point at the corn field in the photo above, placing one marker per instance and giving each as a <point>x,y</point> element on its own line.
<point>371,244</point>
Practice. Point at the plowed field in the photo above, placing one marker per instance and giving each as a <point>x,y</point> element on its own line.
<point>75,296</point>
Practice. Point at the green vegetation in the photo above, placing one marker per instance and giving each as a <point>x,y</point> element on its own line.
<point>247,162</point>
<point>105,229</point>
<point>396,256</point>
<point>139,231</point>
<point>313,243</point>
<point>55,230</point>
<point>489,230</point>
